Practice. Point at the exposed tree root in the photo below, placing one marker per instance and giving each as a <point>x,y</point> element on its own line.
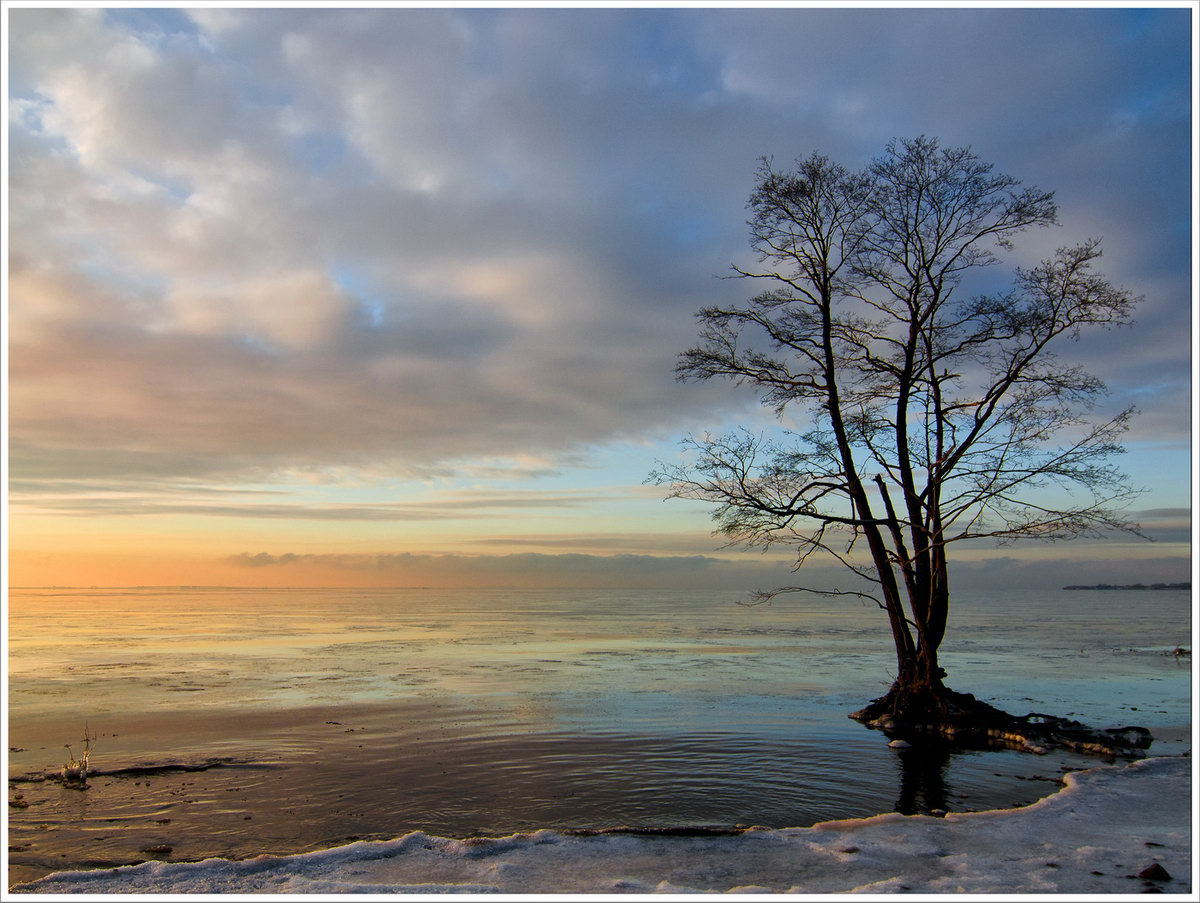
<point>908,713</point>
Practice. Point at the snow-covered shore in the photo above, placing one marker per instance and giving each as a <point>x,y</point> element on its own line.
<point>1094,836</point>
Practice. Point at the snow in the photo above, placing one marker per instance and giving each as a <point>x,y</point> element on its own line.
<point>1094,836</point>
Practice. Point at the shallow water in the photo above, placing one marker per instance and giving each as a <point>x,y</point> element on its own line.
<point>366,713</point>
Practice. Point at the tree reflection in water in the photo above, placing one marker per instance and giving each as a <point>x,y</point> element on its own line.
<point>923,778</point>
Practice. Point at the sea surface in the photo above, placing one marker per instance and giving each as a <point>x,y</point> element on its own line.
<point>235,722</point>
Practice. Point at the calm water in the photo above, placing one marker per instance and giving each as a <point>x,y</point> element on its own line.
<point>341,714</point>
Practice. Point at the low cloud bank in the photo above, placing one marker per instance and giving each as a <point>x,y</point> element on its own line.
<point>535,569</point>
<point>1012,572</point>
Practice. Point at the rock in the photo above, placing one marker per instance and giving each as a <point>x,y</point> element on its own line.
<point>1134,735</point>
<point>1155,872</point>
<point>938,813</point>
<point>900,744</point>
<point>160,848</point>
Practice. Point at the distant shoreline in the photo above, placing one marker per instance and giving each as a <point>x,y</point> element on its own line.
<point>1186,586</point>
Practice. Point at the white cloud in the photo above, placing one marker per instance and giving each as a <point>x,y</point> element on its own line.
<point>401,238</point>
<point>299,308</point>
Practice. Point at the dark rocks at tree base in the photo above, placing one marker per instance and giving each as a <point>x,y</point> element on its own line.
<point>963,720</point>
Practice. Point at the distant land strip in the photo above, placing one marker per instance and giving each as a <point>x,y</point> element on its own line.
<point>1187,585</point>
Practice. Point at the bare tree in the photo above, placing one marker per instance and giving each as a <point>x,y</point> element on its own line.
<point>937,416</point>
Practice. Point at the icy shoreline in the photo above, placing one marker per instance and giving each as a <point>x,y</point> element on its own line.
<point>1095,836</point>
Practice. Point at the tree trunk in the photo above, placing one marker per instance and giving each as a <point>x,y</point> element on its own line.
<point>920,704</point>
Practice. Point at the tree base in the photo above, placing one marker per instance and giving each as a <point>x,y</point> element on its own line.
<point>936,712</point>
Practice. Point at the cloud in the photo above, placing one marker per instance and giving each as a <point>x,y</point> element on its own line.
<point>1178,515</point>
<point>747,574</point>
<point>648,543</point>
<point>1166,524</point>
<point>528,569</point>
<point>401,241</point>
<point>100,499</point>
<point>1032,574</point>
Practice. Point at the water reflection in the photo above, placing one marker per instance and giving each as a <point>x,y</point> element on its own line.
<point>461,712</point>
<point>923,778</point>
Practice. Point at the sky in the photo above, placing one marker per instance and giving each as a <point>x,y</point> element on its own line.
<point>394,296</point>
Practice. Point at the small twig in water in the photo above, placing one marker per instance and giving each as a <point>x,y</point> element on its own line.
<point>76,770</point>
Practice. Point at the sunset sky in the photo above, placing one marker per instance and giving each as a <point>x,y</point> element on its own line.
<point>394,296</point>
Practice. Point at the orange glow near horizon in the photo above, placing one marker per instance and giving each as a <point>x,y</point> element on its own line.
<point>75,550</point>
<point>278,314</point>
